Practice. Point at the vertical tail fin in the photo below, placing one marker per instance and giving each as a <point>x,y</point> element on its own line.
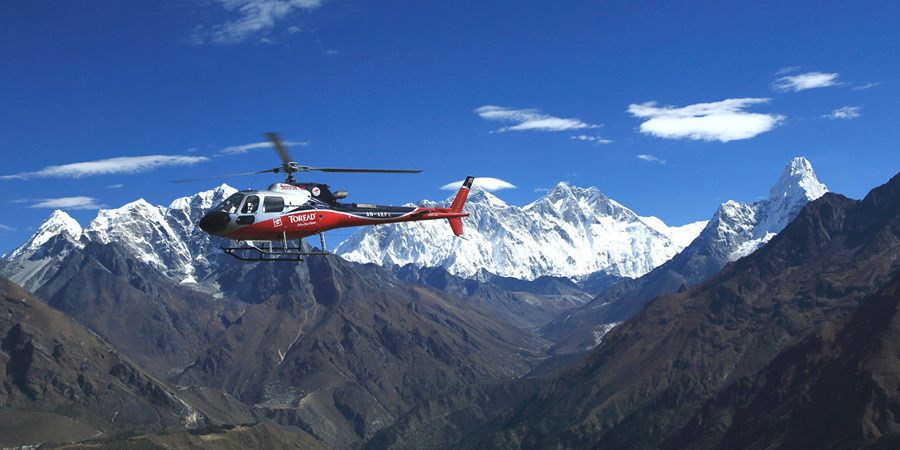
<point>458,203</point>
<point>461,196</point>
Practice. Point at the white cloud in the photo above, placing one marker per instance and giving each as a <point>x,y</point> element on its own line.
<point>7,228</point>
<point>847,112</point>
<point>68,203</point>
<point>253,17</point>
<point>865,86</point>
<point>529,119</point>
<point>594,139</point>
<point>124,164</point>
<point>719,121</point>
<point>115,186</point>
<point>805,81</point>
<point>651,158</point>
<point>486,183</point>
<point>241,149</point>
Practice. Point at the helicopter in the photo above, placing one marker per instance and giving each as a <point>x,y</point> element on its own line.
<point>292,211</point>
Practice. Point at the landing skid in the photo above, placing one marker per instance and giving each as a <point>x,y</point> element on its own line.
<point>253,252</point>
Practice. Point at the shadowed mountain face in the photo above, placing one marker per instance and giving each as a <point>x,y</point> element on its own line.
<point>159,324</point>
<point>343,350</point>
<point>62,383</point>
<point>525,304</point>
<point>652,374</point>
<point>838,387</point>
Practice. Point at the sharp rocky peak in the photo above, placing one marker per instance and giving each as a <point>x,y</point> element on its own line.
<point>741,228</point>
<point>798,180</point>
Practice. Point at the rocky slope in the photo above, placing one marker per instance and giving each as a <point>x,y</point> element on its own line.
<point>62,383</point>
<point>342,351</point>
<point>837,388</point>
<point>645,381</point>
<point>569,232</point>
<point>735,230</point>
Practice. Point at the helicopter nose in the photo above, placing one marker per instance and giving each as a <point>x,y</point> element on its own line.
<point>214,222</point>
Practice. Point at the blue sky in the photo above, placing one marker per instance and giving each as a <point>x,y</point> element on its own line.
<point>668,107</point>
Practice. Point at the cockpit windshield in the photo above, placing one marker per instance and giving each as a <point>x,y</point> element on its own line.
<point>230,205</point>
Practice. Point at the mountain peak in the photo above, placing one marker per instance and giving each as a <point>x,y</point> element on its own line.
<point>58,223</point>
<point>205,199</point>
<point>798,179</point>
<point>479,194</point>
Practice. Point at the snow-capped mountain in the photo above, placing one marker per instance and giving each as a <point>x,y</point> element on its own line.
<point>166,238</point>
<point>570,232</point>
<point>738,229</point>
<point>735,230</point>
<point>50,243</point>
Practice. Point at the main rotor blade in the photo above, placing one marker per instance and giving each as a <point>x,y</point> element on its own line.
<point>336,169</point>
<point>282,151</point>
<point>230,175</point>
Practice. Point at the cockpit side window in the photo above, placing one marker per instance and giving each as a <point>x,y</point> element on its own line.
<point>273,204</point>
<point>250,205</point>
<point>230,205</point>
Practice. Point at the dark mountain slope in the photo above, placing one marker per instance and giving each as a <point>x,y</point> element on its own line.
<point>59,382</point>
<point>525,304</point>
<point>343,350</point>
<point>157,323</point>
<point>837,388</point>
<point>651,374</point>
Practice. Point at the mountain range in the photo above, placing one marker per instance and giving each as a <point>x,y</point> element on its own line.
<point>776,315</point>
<point>734,231</point>
<point>569,232</point>
<point>690,366</point>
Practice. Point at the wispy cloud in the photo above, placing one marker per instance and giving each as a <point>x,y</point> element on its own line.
<point>124,164</point>
<point>787,70</point>
<point>115,186</point>
<point>865,86</point>
<point>529,119</point>
<point>68,203</point>
<point>805,81</point>
<point>252,18</point>
<point>651,158</point>
<point>241,149</point>
<point>719,121</point>
<point>594,139</point>
<point>847,112</point>
<point>7,228</point>
<point>486,183</point>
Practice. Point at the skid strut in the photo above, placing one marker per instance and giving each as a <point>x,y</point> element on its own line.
<point>253,252</point>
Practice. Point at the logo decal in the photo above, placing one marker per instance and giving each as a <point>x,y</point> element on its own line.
<point>316,191</point>
<point>278,222</point>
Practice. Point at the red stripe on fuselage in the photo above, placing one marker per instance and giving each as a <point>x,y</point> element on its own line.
<point>310,222</point>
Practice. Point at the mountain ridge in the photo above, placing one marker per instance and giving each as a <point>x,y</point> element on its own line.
<point>735,230</point>
<point>569,231</point>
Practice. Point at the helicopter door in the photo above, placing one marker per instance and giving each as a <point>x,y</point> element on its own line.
<point>249,209</point>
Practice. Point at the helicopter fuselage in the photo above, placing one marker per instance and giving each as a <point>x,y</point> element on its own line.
<point>294,211</point>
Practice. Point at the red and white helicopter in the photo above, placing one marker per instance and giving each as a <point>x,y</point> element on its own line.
<point>291,210</point>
